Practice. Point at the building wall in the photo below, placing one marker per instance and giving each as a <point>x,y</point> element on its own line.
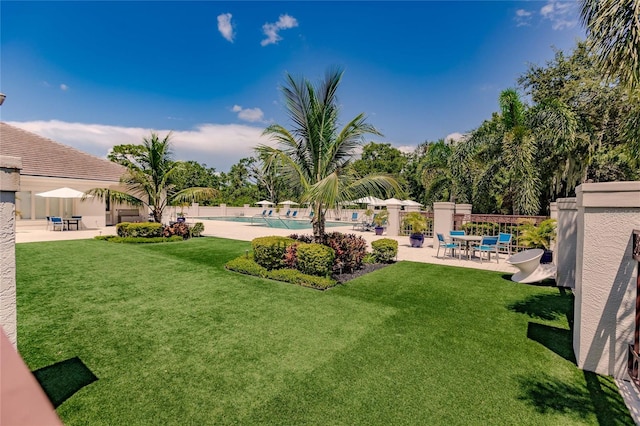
<point>605,293</point>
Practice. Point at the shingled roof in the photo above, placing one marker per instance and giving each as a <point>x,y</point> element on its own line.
<point>44,157</point>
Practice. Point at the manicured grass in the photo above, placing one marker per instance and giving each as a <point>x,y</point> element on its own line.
<point>175,339</point>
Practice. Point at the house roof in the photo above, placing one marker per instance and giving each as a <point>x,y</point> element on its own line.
<point>45,157</point>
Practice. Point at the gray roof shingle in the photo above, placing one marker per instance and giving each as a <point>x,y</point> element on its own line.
<point>44,157</point>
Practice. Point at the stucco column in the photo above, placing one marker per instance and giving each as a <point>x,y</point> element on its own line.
<point>393,228</point>
<point>566,242</point>
<point>223,209</point>
<point>553,210</point>
<point>246,210</point>
<point>9,185</point>
<point>605,291</point>
<point>442,219</point>
<point>464,209</point>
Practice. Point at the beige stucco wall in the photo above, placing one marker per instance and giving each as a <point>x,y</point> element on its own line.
<point>606,274</point>
<point>566,241</point>
<point>9,185</point>
<point>442,220</point>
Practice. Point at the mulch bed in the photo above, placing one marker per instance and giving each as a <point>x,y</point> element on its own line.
<point>367,268</point>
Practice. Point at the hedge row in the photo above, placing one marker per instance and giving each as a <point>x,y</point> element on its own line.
<point>142,229</point>
<point>246,265</point>
<point>138,240</point>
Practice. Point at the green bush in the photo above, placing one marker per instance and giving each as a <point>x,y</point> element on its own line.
<point>269,252</point>
<point>385,250</point>
<point>487,228</point>
<point>369,258</point>
<point>143,229</point>
<point>197,229</point>
<point>315,259</point>
<point>294,276</point>
<point>246,265</point>
<point>138,240</point>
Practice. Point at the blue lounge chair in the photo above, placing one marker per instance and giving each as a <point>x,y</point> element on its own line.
<point>288,213</point>
<point>447,246</point>
<point>295,214</point>
<point>488,245</point>
<point>354,217</point>
<point>270,213</point>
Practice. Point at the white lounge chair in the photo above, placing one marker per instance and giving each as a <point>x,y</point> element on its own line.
<point>530,270</point>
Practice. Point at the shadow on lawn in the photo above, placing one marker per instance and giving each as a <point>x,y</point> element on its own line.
<point>62,379</point>
<point>600,398</point>
<point>547,306</point>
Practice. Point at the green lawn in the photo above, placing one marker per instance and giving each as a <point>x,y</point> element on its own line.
<point>174,339</point>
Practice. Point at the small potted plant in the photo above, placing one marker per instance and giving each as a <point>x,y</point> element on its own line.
<point>379,220</point>
<point>418,224</point>
<point>539,236</point>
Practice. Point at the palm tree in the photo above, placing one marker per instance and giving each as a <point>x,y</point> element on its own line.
<point>444,167</point>
<point>613,29</point>
<point>509,144</point>
<point>148,180</point>
<point>315,155</point>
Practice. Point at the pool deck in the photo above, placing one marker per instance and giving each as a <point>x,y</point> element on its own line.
<point>247,232</point>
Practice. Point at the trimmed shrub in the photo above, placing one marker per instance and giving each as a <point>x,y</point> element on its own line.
<point>197,229</point>
<point>269,251</point>
<point>369,258</point>
<point>138,240</point>
<point>315,259</point>
<point>385,250</point>
<point>246,265</point>
<point>349,249</point>
<point>143,229</point>
<point>179,228</point>
<point>296,277</point>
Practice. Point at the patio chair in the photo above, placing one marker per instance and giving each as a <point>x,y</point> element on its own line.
<point>270,213</point>
<point>354,217</point>
<point>48,223</point>
<point>56,222</point>
<point>447,246</point>
<point>487,245</point>
<point>530,270</point>
<point>504,242</point>
<point>457,233</point>
<point>295,214</point>
<point>287,215</point>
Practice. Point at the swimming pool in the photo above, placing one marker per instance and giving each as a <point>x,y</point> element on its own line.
<point>273,222</point>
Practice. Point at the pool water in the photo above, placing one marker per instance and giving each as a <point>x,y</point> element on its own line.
<point>273,222</point>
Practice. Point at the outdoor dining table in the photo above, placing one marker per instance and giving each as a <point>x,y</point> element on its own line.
<point>467,239</point>
<point>72,220</point>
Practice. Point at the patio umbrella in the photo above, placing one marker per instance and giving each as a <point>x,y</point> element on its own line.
<point>265,203</point>
<point>289,203</point>
<point>392,201</point>
<point>62,193</point>
<point>411,203</point>
<point>369,200</point>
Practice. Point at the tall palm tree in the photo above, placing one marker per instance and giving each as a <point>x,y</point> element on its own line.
<point>509,144</point>
<point>315,155</point>
<point>148,180</point>
<point>613,29</point>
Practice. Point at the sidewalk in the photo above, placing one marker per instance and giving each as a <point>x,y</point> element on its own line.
<point>247,232</point>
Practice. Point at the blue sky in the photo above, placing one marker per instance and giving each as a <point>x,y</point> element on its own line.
<point>95,74</point>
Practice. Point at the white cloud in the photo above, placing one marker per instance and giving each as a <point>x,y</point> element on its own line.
<point>64,87</point>
<point>523,17</point>
<point>252,115</point>
<point>272,30</point>
<point>455,137</point>
<point>217,145</point>
<point>563,15</point>
<point>225,27</point>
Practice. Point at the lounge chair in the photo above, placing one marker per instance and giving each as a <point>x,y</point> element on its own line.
<point>354,217</point>
<point>263,214</point>
<point>487,245</point>
<point>287,215</point>
<point>447,246</point>
<point>270,213</point>
<point>295,214</point>
<point>530,270</point>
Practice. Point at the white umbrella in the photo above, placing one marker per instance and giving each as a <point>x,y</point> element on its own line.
<point>411,203</point>
<point>392,202</point>
<point>289,203</point>
<point>370,200</point>
<point>265,203</point>
<point>62,193</point>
